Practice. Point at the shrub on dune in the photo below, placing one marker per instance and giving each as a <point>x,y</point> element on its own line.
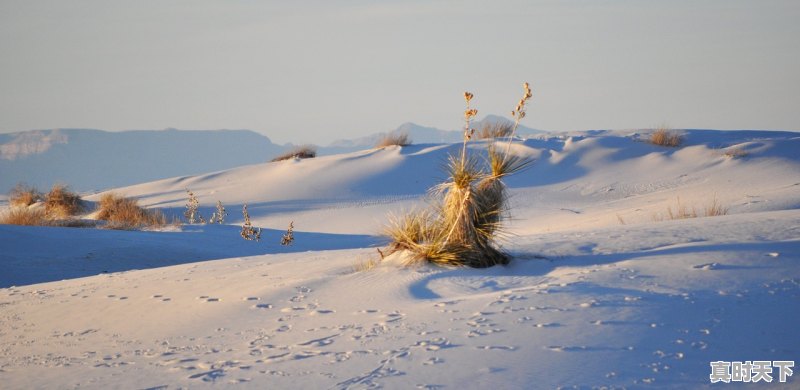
<point>22,196</point>
<point>62,203</point>
<point>24,216</point>
<point>666,137</point>
<point>125,213</point>
<point>300,152</point>
<point>498,129</point>
<point>391,139</point>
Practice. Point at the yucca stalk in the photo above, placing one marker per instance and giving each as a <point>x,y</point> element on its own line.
<point>463,228</point>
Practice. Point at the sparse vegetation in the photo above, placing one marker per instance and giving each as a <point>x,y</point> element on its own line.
<point>735,152</point>
<point>288,237</point>
<point>192,213</point>
<point>715,208</point>
<point>23,196</point>
<point>61,203</point>
<point>497,129</point>
<point>463,228</point>
<point>300,152</point>
<point>125,213</point>
<point>391,139</point>
<point>681,211</point>
<point>666,137</point>
<point>219,215</point>
<point>365,264</point>
<point>248,231</point>
<point>24,216</point>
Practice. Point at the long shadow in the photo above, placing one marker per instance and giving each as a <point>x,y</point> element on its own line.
<point>43,254</point>
<point>539,268</point>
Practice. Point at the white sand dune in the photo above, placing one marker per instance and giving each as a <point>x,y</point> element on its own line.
<point>604,290</point>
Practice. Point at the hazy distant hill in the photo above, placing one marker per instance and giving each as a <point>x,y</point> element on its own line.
<point>87,159</point>
<point>94,159</point>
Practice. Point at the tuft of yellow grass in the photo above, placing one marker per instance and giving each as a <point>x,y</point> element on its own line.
<point>713,209</point>
<point>125,213</point>
<point>301,152</point>
<point>499,129</point>
<point>61,203</point>
<point>391,139</point>
<point>363,265</point>
<point>666,137</point>
<point>735,152</point>
<point>24,216</point>
<point>22,195</point>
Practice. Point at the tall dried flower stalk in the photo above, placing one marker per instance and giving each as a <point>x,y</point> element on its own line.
<point>519,112</point>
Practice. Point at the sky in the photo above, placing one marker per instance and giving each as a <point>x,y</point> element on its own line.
<point>317,71</point>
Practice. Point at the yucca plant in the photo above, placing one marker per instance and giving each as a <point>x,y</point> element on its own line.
<point>463,228</point>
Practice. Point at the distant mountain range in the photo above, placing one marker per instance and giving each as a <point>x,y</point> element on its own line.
<point>87,159</point>
<point>423,135</point>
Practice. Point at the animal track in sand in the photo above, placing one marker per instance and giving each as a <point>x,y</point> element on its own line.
<point>161,297</point>
<point>497,347</point>
<point>320,342</point>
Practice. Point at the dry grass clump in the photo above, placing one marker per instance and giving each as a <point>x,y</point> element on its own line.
<point>681,211</point>
<point>301,152</point>
<point>399,139</point>
<point>462,229</point>
<point>61,203</point>
<point>666,137</point>
<point>715,208</point>
<point>22,196</point>
<point>498,129</point>
<point>125,213</point>
<point>24,216</point>
<point>734,153</point>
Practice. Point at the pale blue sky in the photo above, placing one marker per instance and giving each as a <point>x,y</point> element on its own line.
<point>315,71</point>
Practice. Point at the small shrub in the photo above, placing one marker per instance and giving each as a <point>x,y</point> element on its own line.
<point>666,137</point>
<point>61,203</point>
<point>734,153</point>
<point>248,231</point>
<point>498,129</point>
<point>22,196</point>
<point>192,214</point>
<point>24,216</point>
<point>301,152</point>
<point>219,215</point>
<point>399,139</point>
<point>288,237</point>
<point>125,213</point>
